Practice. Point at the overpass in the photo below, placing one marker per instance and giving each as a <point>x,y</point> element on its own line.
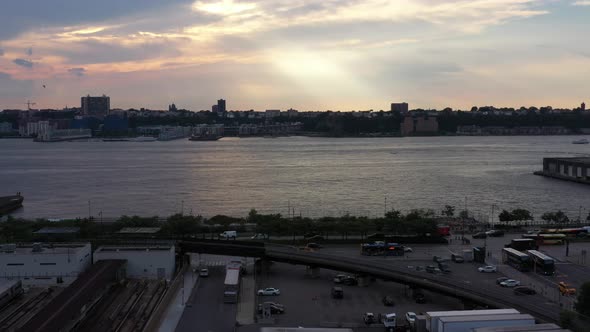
<point>493,298</point>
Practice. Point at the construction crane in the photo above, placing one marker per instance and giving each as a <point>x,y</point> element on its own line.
<point>29,104</point>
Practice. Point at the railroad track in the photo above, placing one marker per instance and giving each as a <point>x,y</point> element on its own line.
<point>9,322</point>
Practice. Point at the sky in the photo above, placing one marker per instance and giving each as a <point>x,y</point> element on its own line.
<point>303,54</point>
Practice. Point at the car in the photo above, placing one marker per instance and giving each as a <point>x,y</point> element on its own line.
<point>228,235</point>
<point>444,267</point>
<point>565,289</point>
<point>408,249</point>
<point>369,318</point>
<point>481,235</point>
<point>337,292</point>
<point>204,273</point>
<point>524,290</point>
<point>275,308</point>
<point>501,280</point>
<point>436,258</point>
<point>411,317</point>
<point>419,268</point>
<point>495,233</point>
<point>431,268</point>
<point>269,291</point>
<point>314,245</point>
<point>457,258</point>
<point>259,236</point>
<point>350,281</point>
<point>510,283</point>
<point>387,301</point>
<point>419,297</point>
<point>338,278</point>
<point>487,269</point>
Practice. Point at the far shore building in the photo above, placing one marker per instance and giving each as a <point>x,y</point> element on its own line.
<point>96,106</point>
<point>418,125</point>
<point>400,107</point>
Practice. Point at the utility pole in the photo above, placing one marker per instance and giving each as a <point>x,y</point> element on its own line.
<point>89,211</point>
<point>385,206</point>
<point>182,207</point>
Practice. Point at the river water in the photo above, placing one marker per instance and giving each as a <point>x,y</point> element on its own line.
<point>315,176</point>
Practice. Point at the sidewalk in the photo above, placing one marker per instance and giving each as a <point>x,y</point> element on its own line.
<point>176,308</point>
<point>247,303</point>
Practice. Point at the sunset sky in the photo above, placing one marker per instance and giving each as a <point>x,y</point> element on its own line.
<point>306,54</point>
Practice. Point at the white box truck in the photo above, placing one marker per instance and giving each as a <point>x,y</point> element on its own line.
<point>468,323</point>
<point>432,317</point>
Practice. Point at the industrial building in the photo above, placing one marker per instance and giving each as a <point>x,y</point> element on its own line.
<point>96,106</point>
<point>44,264</point>
<point>538,327</point>
<point>575,169</point>
<point>143,262</point>
<point>423,124</point>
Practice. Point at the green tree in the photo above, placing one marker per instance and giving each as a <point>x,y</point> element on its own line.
<point>582,304</point>
<point>505,216</point>
<point>567,319</point>
<point>182,225</point>
<point>464,214</point>
<point>521,214</point>
<point>448,211</point>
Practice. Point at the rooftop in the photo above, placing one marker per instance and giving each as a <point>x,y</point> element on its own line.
<point>583,160</point>
<point>58,230</point>
<point>47,248</point>
<point>139,230</point>
<point>134,248</point>
<point>6,284</point>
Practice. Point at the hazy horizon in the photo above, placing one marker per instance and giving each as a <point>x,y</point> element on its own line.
<point>309,55</point>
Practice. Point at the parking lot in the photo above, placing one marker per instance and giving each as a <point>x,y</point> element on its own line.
<point>308,301</point>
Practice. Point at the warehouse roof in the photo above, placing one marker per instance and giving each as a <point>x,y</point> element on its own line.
<point>139,230</point>
<point>58,230</point>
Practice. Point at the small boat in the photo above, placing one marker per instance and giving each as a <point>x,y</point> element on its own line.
<point>581,141</point>
<point>144,139</point>
<point>204,138</point>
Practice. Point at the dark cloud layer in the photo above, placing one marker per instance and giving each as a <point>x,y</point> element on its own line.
<point>23,63</point>
<point>20,16</point>
<point>94,51</point>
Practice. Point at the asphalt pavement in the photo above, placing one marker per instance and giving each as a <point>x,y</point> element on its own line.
<point>205,310</point>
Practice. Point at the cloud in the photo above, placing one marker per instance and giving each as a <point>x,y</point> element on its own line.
<point>1,52</point>
<point>21,16</point>
<point>581,3</point>
<point>29,51</point>
<point>13,89</point>
<point>79,72</point>
<point>23,63</point>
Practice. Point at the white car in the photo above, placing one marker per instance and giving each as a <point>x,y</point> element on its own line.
<point>269,291</point>
<point>411,317</point>
<point>408,249</point>
<point>204,273</point>
<point>338,278</point>
<point>487,269</point>
<point>510,283</point>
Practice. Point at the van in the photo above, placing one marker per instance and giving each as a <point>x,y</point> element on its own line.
<point>457,258</point>
<point>228,235</point>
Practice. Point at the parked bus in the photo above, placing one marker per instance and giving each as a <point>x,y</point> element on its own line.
<point>523,244</point>
<point>542,263</point>
<point>570,232</point>
<point>517,259</point>
<point>382,249</point>
<point>546,239</point>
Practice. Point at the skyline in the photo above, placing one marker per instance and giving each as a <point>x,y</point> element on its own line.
<point>337,54</point>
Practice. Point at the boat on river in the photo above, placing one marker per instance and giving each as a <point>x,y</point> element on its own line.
<point>581,141</point>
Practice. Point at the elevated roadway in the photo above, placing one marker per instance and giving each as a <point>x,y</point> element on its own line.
<point>472,292</point>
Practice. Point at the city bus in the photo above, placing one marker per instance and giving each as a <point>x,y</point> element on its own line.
<point>546,239</point>
<point>382,249</point>
<point>542,263</point>
<point>570,232</point>
<point>517,259</point>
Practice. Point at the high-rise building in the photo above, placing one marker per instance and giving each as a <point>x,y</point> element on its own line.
<point>583,107</point>
<point>399,107</point>
<point>221,106</point>
<point>96,106</point>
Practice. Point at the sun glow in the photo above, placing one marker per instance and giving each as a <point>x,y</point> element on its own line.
<point>223,7</point>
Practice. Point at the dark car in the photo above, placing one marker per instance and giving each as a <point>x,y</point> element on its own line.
<point>419,297</point>
<point>481,235</point>
<point>388,301</point>
<point>457,258</point>
<point>501,280</point>
<point>350,281</point>
<point>275,308</point>
<point>314,245</point>
<point>430,268</point>
<point>496,233</point>
<point>523,290</point>
<point>337,292</point>
<point>444,267</point>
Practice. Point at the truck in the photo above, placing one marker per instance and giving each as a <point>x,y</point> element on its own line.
<point>433,317</point>
<point>468,323</point>
<point>231,285</point>
<point>228,235</point>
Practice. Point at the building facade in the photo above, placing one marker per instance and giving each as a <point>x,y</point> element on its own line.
<point>96,106</point>
<point>44,264</point>
<point>419,125</point>
<point>403,108</point>
<point>574,169</point>
<point>143,262</point>
<point>221,108</point>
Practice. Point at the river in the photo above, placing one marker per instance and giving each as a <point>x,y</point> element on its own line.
<point>315,176</point>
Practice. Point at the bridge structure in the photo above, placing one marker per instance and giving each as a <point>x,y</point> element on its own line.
<point>468,292</point>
